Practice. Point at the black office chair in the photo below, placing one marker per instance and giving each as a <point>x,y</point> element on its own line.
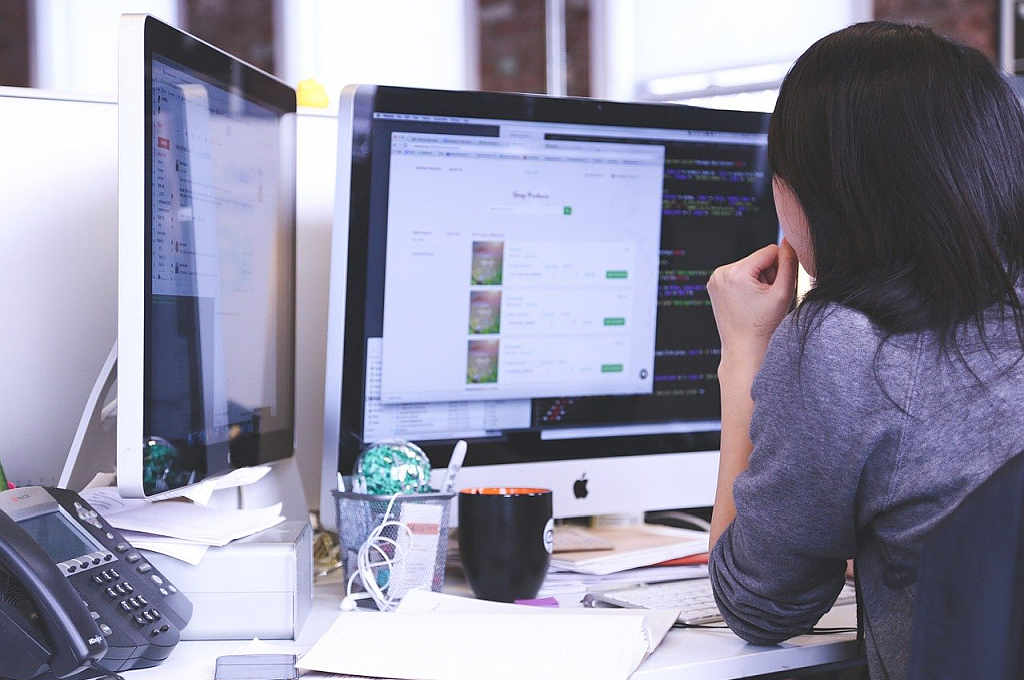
<point>969,606</point>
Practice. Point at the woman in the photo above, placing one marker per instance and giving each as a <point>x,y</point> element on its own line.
<point>897,385</point>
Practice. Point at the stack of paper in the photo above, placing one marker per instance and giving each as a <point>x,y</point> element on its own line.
<point>442,637</point>
<point>179,528</point>
<point>568,584</point>
<point>634,547</point>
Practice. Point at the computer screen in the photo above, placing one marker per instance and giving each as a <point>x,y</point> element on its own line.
<point>530,274</point>
<point>219,257</point>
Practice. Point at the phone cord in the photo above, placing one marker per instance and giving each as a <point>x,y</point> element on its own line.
<point>108,675</point>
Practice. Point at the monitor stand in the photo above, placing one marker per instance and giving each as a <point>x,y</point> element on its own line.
<point>94,450</point>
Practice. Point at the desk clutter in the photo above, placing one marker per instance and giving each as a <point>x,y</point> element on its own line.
<point>394,546</point>
<point>638,554</point>
<point>392,524</point>
<point>585,560</point>
<point>182,528</point>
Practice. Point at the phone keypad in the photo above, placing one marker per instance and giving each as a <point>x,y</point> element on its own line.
<point>126,603</point>
<point>147,616</point>
<point>132,603</point>
<point>106,576</point>
<point>135,606</point>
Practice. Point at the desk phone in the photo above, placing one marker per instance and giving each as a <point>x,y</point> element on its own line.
<point>76,599</point>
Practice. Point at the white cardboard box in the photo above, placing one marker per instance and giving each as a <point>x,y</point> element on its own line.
<point>259,586</point>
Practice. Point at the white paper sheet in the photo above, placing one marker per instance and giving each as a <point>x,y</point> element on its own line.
<point>107,501</point>
<point>202,492</point>
<point>567,582</point>
<point>442,637</point>
<point>656,622</point>
<point>186,551</point>
<point>191,522</point>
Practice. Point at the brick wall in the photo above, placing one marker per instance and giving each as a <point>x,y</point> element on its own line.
<point>512,35</point>
<point>577,47</point>
<point>244,29</point>
<point>513,46</point>
<point>14,65</point>
<point>973,22</point>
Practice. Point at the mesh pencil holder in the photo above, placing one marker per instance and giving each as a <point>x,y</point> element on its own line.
<point>426,514</point>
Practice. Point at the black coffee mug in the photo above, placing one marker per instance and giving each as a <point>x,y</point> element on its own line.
<point>506,535</point>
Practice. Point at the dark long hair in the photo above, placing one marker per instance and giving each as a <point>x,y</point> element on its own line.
<point>906,151</point>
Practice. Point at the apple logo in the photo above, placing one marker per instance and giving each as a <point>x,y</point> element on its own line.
<point>579,487</point>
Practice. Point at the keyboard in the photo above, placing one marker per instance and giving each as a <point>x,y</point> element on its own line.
<point>693,596</point>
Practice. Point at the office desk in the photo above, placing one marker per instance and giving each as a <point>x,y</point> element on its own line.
<point>684,655</point>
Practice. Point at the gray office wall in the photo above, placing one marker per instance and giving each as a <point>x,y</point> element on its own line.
<point>58,275</point>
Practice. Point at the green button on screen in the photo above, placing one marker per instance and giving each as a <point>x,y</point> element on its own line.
<point>614,321</point>
<point>616,274</point>
<point>611,368</point>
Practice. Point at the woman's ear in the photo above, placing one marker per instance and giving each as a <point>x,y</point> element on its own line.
<point>794,223</point>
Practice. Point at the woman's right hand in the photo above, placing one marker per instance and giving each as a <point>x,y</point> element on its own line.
<point>750,298</point>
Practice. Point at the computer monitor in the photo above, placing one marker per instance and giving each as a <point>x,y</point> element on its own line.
<point>529,274</point>
<point>206,261</point>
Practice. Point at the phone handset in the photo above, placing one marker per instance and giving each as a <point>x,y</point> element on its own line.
<point>77,641</point>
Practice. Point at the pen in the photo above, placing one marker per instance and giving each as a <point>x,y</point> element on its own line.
<point>454,465</point>
<point>341,482</point>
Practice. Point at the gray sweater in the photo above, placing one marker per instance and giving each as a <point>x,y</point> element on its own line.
<point>839,470</point>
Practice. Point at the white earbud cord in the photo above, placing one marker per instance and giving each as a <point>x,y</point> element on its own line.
<point>367,563</point>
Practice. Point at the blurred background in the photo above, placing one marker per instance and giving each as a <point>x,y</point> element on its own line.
<point>726,53</point>
<point>62,181</point>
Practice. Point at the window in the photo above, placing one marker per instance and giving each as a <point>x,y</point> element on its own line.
<point>74,46</point>
<point>725,54</point>
<point>386,42</point>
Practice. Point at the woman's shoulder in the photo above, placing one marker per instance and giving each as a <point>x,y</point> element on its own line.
<point>827,331</point>
<point>832,351</point>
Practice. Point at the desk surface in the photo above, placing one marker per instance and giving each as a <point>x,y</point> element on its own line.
<point>685,654</point>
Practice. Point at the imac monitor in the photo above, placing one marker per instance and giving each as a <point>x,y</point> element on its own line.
<point>529,274</point>
<point>206,255</point>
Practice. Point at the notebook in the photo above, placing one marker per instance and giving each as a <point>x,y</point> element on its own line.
<point>578,539</point>
<point>634,547</point>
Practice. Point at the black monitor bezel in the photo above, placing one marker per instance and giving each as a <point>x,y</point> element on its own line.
<point>243,80</point>
<point>368,100</point>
